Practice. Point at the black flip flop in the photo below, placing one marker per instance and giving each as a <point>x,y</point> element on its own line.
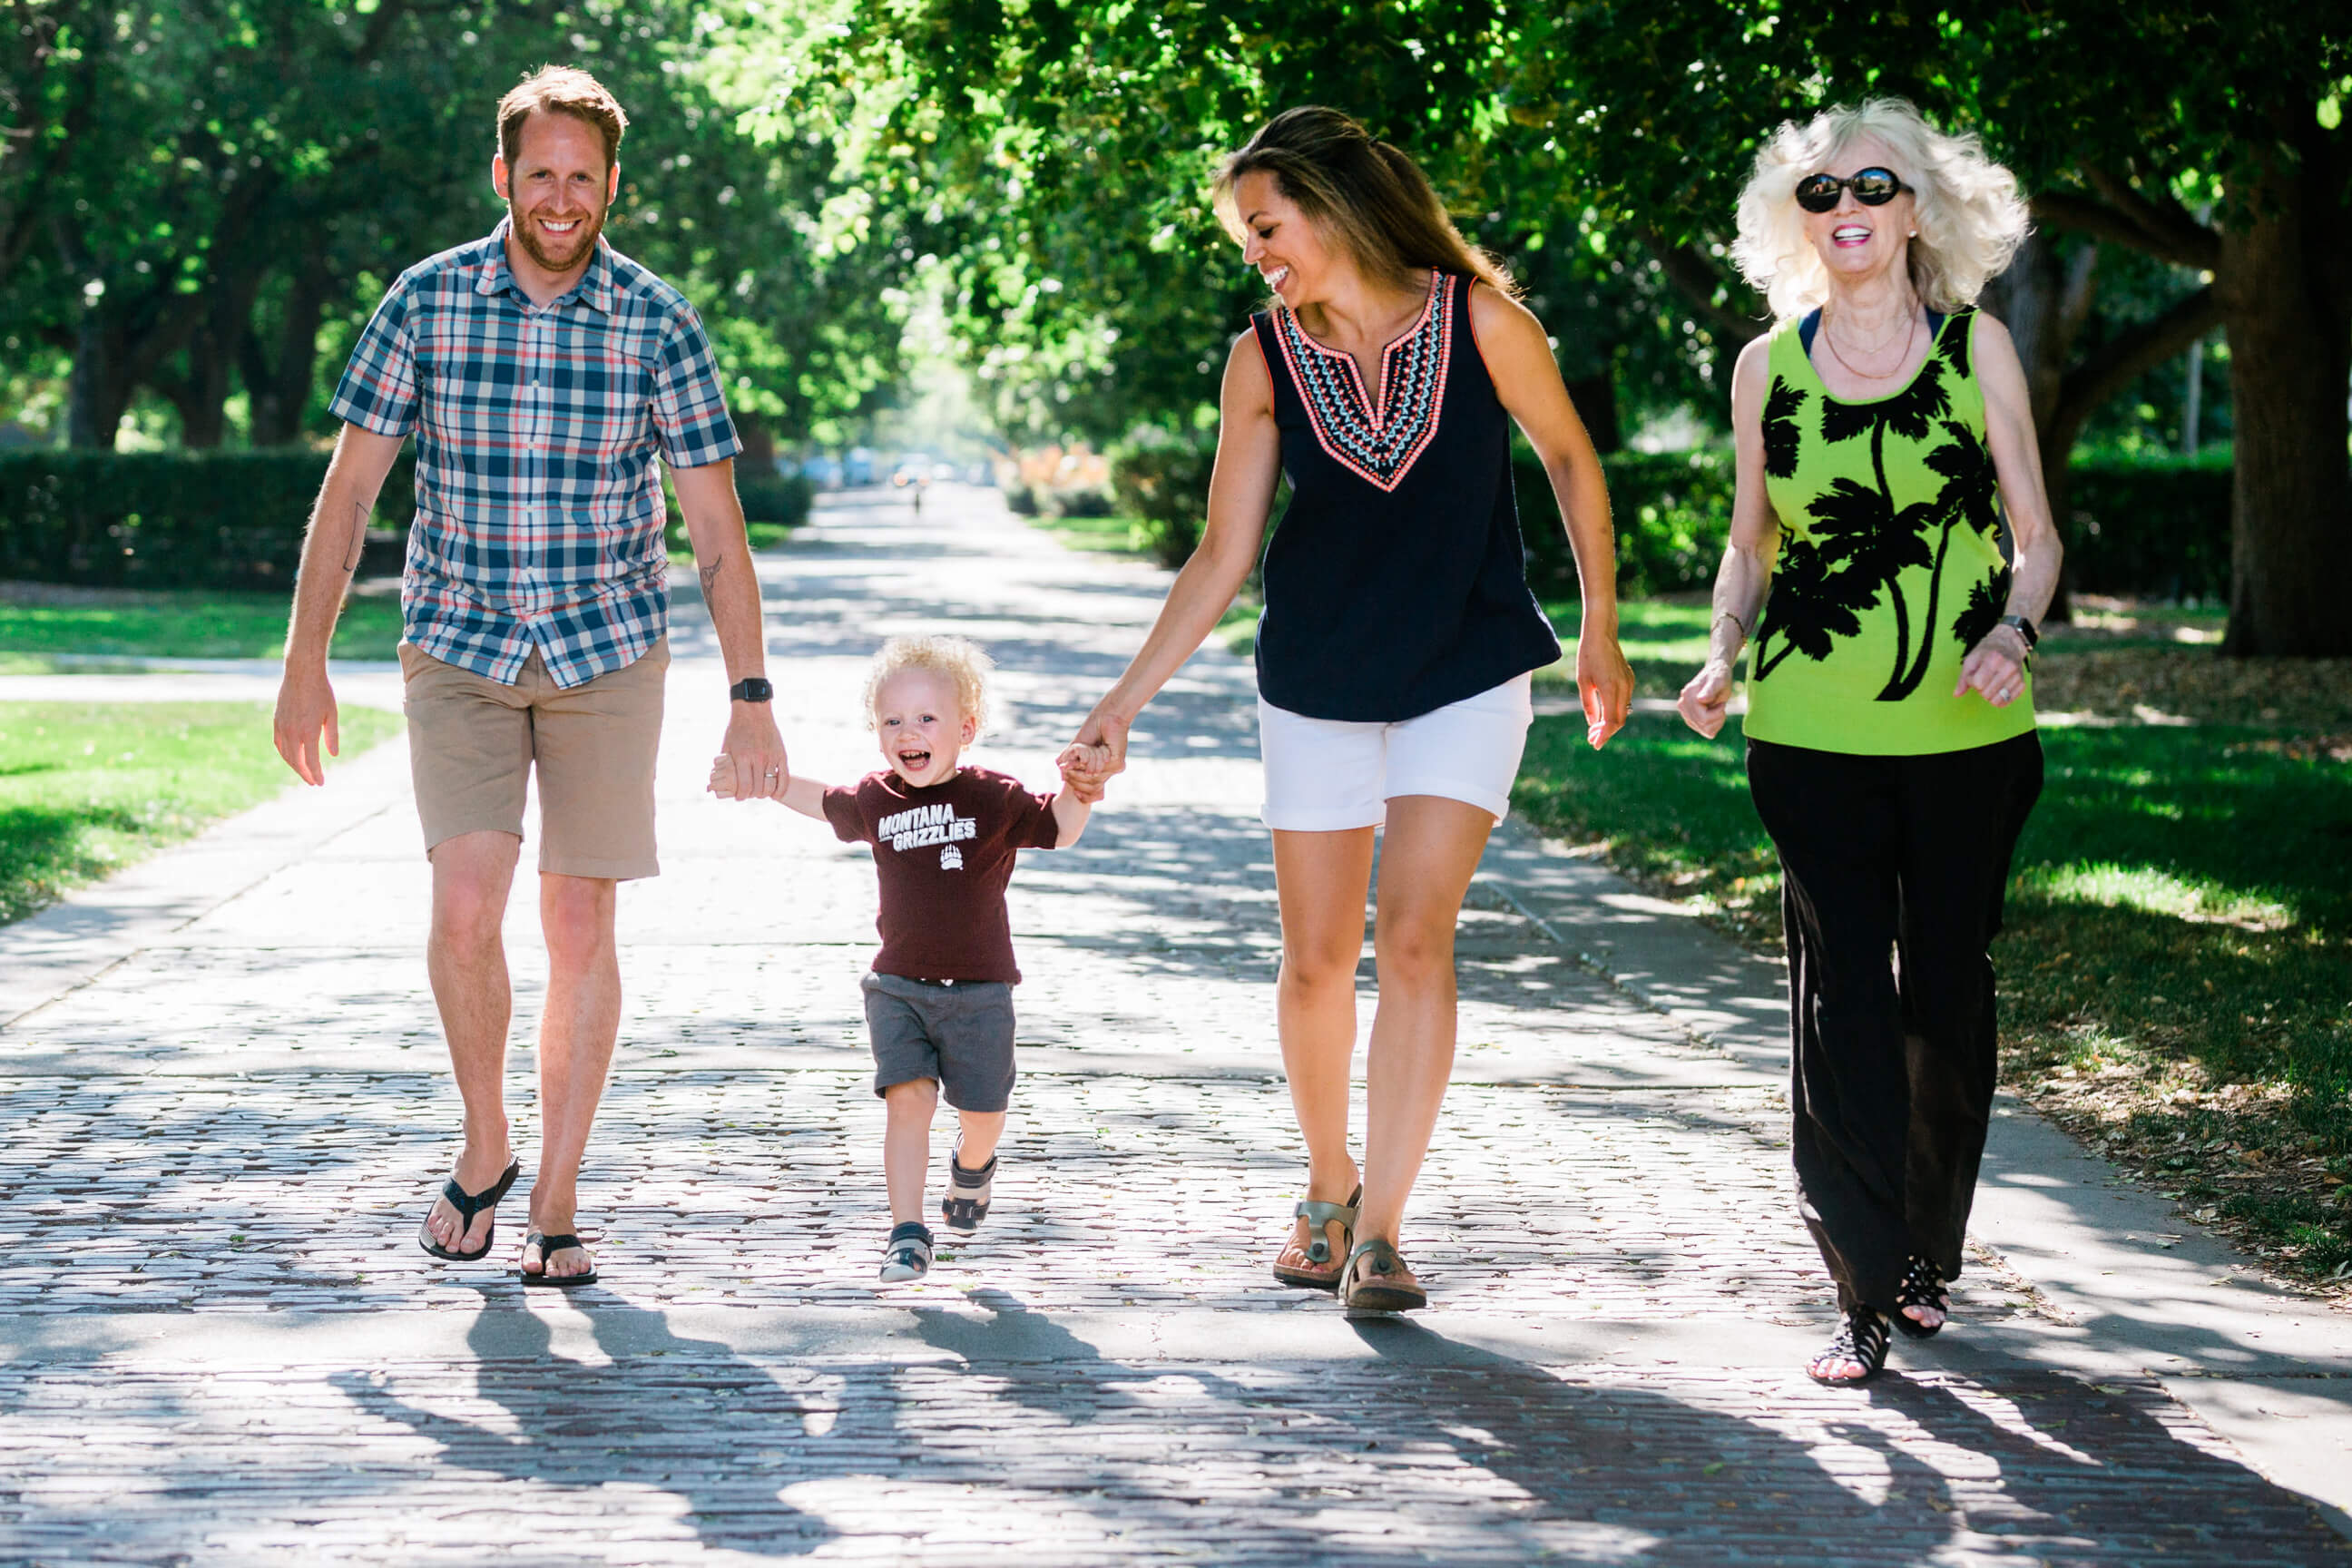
<point>548,1246</point>
<point>467,1205</point>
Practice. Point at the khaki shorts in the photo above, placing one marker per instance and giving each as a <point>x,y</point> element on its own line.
<point>473,743</point>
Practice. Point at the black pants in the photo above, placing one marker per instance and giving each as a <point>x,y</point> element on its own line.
<point>1892,1064</point>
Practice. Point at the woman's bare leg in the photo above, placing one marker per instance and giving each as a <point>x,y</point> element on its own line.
<point>1428,854</point>
<point>1322,879</point>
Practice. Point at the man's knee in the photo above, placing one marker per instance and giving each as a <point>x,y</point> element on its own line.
<point>576,915</point>
<point>471,876</point>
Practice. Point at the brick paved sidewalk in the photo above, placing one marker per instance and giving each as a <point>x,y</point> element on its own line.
<point>228,1102</point>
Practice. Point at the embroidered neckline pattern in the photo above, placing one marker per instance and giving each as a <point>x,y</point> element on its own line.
<point>1378,444</point>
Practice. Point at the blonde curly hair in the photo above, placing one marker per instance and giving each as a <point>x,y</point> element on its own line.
<point>960,660</point>
<point>1970,217</point>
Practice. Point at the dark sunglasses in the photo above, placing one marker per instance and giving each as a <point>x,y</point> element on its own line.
<point>1871,187</point>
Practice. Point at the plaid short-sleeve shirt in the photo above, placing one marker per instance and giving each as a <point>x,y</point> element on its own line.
<point>538,510</point>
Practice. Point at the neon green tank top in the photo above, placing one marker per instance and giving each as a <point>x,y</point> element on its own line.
<point>1890,566</point>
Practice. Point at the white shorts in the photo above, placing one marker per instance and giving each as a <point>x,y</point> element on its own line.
<point>1324,776</point>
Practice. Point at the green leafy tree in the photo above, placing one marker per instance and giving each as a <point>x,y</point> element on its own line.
<point>190,196</point>
<point>2126,121</point>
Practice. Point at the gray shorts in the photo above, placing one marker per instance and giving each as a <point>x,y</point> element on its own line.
<point>960,1035</point>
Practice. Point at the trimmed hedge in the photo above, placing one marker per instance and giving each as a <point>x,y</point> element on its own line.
<point>2154,527</point>
<point>2159,529</point>
<point>1672,513</point>
<point>156,520</point>
<point>218,520</point>
<point>775,498</point>
<point>1161,483</point>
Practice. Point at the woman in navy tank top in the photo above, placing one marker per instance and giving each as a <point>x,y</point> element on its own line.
<point>1399,635</point>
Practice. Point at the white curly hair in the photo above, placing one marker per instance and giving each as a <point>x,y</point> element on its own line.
<point>1970,217</point>
<point>960,660</point>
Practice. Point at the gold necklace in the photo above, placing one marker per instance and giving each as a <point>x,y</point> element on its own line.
<point>1909,332</point>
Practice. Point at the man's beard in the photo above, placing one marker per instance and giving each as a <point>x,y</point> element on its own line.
<point>527,235</point>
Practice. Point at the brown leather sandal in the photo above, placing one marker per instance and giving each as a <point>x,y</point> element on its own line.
<point>1327,1268</point>
<point>1386,1286</point>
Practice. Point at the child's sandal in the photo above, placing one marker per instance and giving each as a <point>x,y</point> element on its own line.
<point>965,1203</point>
<point>907,1254</point>
<point>1326,1267</point>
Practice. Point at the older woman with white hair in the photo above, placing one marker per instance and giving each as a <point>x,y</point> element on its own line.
<point>1890,497</point>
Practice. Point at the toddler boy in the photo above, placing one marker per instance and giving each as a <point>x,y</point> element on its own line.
<point>939,1000</point>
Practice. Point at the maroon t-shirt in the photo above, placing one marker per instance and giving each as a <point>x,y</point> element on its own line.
<point>945,853</point>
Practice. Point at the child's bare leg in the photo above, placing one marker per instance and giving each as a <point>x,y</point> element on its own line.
<point>982,1129</point>
<point>907,1144</point>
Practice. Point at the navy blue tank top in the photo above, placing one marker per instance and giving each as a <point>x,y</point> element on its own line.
<point>1396,582</point>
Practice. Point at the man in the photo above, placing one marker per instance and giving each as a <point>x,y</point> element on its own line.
<point>543,372</point>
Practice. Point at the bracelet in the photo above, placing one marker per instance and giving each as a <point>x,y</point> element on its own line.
<point>1723,615</point>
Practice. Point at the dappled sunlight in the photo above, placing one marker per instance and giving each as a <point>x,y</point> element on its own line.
<point>2155,892</point>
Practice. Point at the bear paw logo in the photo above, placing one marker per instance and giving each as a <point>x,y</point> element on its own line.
<point>951,858</point>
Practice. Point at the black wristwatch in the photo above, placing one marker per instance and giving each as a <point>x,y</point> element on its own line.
<point>752,688</point>
<point>2025,629</point>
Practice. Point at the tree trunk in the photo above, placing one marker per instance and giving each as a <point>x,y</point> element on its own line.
<point>1595,397</point>
<point>200,395</point>
<point>759,454</point>
<point>2289,355</point>
<point>280,390</point>
<point>98,394</point>
<point>2043,300</point>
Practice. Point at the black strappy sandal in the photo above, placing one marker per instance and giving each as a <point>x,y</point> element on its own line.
<point>1923,1286</point>
<point>548,1246</point>
<point>1320,1217</point>
<point>467,1205</point>
<point>1862,1340</point>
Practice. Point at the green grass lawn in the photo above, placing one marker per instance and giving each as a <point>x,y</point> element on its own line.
<point>1664,639</point>
<point>86,788</point>
<point>1103,535</point>
<point>178,625</point>
<point>2177,966</point>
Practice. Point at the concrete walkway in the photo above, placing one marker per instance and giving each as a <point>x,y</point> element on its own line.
<point>228,1102</point>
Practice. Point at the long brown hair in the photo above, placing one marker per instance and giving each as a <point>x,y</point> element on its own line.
<point>1368,196</point>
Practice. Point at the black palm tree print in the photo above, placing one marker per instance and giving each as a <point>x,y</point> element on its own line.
<point>1862,543</point>
<point>1781,436</point>
<point>1972,494</point>
<point>1982,612</point>
<point>1813,604</point>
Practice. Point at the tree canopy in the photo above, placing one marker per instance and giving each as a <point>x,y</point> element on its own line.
<point>199,201</point>
<point>1599,146</point>
<point>197,198</point>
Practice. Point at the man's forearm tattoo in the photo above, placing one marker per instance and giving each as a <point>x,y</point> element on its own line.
<point>709,574</point>
<point>359,538</point>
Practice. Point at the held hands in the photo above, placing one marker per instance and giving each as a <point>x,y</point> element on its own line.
<point>756,754</point>
<point>1706,697</point>
<point>1100,750</point>
<point>1995,668</point>
<point>723,776</point>
<point>1085,770</point>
